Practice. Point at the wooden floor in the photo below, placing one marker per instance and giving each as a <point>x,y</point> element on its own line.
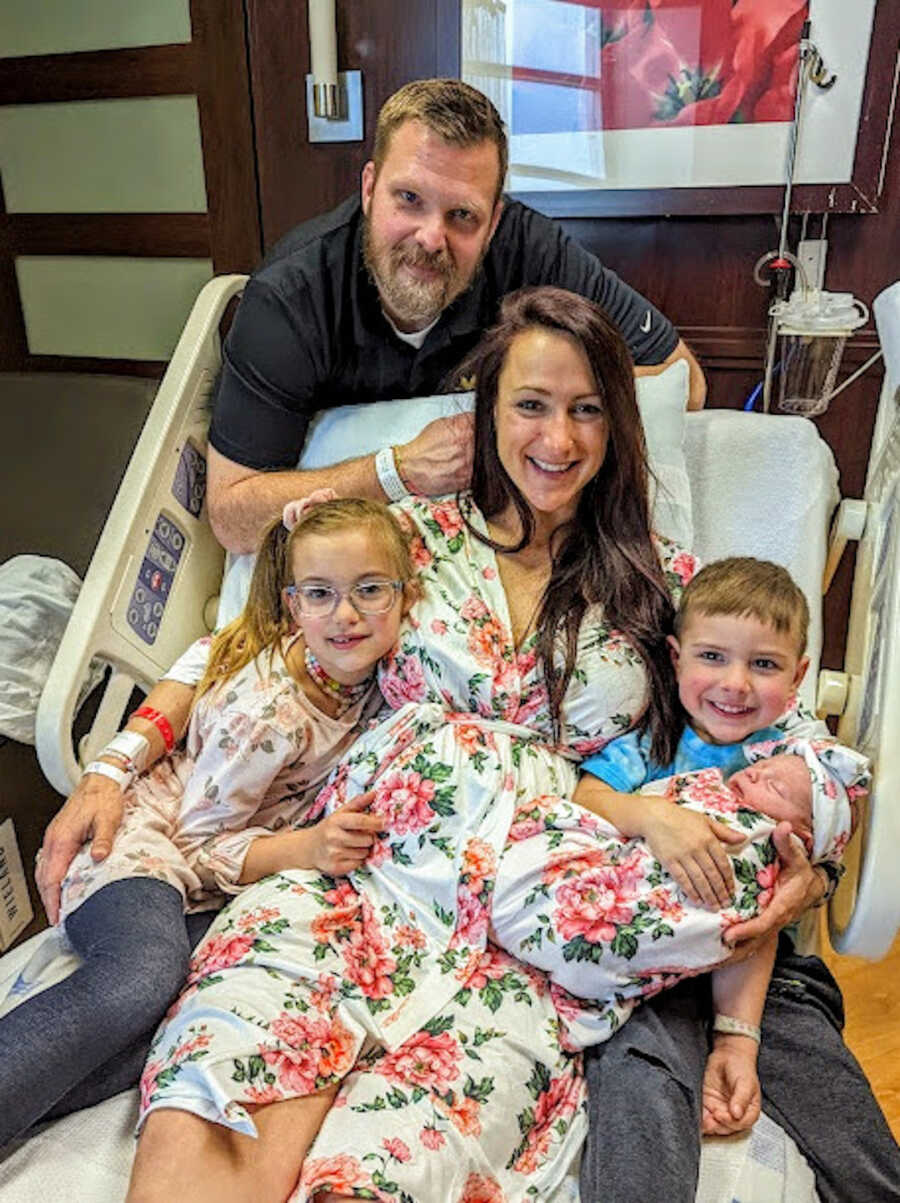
<point>872,1004</point>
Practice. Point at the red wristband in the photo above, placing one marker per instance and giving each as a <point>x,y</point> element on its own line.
<point>160,722</point>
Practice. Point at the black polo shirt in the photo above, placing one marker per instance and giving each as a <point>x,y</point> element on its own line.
<point>310,333</point>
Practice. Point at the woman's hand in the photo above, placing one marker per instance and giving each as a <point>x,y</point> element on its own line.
<point>797,888</point>
<point>731,1093</point>
<point>690,846</point>
<point>341,843</point>
<point>93,812</point>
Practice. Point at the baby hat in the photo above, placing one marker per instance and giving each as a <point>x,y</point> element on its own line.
<point>839,776</point>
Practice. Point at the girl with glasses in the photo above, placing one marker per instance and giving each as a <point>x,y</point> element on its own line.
<point>287,687</point>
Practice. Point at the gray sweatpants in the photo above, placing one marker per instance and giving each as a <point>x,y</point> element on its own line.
<point>645,1094</point>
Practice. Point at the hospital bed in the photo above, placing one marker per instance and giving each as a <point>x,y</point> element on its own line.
<point>727,482</point>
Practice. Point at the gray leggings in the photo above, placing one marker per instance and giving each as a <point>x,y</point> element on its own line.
<point>86,1038</point>
<point>644,1089</point>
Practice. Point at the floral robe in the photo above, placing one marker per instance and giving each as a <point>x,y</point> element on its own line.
<point>464,1053</point>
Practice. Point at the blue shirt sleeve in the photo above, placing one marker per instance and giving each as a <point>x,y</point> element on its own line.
<point>622,764</point>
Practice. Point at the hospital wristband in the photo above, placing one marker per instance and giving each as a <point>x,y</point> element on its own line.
<point>736,1027</point>
<point>388,476</point>
<point>160,722</point>
<point>130,747</point>
<point>122,777</point>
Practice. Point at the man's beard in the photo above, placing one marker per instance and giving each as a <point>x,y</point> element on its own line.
<point>412,302</point>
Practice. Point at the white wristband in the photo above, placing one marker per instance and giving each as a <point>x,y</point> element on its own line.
<point>121,776</point>
<point>130,746</point>
<point>736,1027</point>
<point>388,476</point>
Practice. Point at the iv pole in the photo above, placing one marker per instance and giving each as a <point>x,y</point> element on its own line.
<point>780,262</point>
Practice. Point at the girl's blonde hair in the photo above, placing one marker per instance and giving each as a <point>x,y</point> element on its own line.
<point>265,620</point>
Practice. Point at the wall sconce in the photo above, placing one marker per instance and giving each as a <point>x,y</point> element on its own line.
<point>334,102</point>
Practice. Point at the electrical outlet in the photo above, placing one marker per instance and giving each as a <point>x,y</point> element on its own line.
<point>15,905</point>
<point>812,253</point>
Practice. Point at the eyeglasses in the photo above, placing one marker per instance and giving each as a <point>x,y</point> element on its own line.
<point>367,597</point>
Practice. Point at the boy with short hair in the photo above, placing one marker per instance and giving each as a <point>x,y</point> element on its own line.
<point>739,655</point>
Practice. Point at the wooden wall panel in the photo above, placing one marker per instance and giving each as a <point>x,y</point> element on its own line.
<point>391,42</point>
<point>98,74</point>
<point>13,340</point>
<point>222,84</point>
<point>214,67</point>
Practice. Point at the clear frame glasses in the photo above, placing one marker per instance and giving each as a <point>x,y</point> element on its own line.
<point>366,597</point>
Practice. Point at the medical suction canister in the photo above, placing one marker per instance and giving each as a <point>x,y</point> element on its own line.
<point>813,327</point>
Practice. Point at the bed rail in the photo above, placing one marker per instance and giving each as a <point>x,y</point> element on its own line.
<point>865,914</point>
<point>157,563</point>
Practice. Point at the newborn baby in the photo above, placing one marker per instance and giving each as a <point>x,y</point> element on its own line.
<point>601,916</point>
<point>780,788</point>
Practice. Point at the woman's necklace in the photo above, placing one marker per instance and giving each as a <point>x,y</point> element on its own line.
<point>346,696</point>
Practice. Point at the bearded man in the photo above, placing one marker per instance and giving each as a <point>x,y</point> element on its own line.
<point>382,298</point>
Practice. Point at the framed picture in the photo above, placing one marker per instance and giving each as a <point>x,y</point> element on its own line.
<point>633,107</point>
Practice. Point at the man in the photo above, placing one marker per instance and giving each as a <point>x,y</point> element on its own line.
<point>381,299</point>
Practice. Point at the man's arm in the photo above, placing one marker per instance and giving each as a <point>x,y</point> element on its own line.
<point>243,501</point>
<point>696,379</point>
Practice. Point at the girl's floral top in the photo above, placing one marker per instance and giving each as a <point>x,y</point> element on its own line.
<point>255,754</point>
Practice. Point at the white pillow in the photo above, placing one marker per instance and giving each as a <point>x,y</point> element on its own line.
<point>348,431</point>
<point>662,400</point>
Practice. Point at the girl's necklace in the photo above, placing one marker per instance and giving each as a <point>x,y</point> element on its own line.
<point>346,695</point>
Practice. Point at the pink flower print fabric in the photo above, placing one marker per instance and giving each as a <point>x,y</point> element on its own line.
<point>418,1121</point>
<point>255,755</point>
<point>598,913</point>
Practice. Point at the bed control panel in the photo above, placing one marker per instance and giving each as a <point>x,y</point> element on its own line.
<point>189,485</point>
<point>154,581</point>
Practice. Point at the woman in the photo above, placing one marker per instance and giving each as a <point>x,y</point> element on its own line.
<point>539,637</point>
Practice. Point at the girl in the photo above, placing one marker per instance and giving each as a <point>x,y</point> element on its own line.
<point>286,688</point>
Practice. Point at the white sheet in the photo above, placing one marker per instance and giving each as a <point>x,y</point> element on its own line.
<point>748,472</point>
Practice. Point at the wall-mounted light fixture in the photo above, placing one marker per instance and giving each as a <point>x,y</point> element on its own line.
<point>334,102</point>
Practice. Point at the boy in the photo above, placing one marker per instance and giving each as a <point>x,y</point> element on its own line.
<point>739,655</point>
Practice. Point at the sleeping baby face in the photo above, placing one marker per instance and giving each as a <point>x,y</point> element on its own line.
<point>779,787</point>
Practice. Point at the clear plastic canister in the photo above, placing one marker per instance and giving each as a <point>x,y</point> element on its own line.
<point>809,368</point>
<point>813,327</point>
